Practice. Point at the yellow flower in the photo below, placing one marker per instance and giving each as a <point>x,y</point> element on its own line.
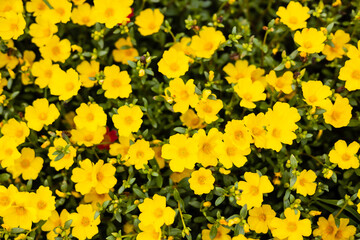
<point>238,72</point>
<point>61,11</point>
<point>37,7</point>
<point>67,160</point>
<point>353,52</point>
<point>55,222</point>
<point>84,224</point>
<point>15,130</point>
<point>183,94</point>
<point>256,125</point>
<point>231,153</point>
<point>260,218</point>
<point>95,198</point>
<point>7,197</point>
<point>44,203</point>
<point>344,231</point>
<point>328,230</point>
<point>241,237</point>
<point>339,113</point>
<point>310,40</point>
<point>128,120</point>
<point>191,120</point>
<point>315,93</point>
<point>291,227</point>
<point>345,156</point>
<point>207,109</point>
<point>86,70</point>
<point>178,176</point>
<point>27,165</point>
<point>83,176</point>
<point>140,153</point>
<point>90,116</point>
<point>154,212</point>
<point>253,189</point>
<point>294,15</point>
<point>45,72</point>
<point>202,181</point>
<point>282,83</point>
<point>83,15</point>
<point>121,148</point>
<point>112,12</point>
<point>305,183</point>
<point>183,46</point>
<point>40,114</point>
<point>149,233</point>
<point>350,73</point>
<point>42,30</point>
<point>173,63</point>
<point>87,137</point>
<point>207,155</point>
<point>149,21</point>
<point>116,84</point>
<point>11,6</point>
<point>340,39</point>
<point>21,213</point>
<point>238,133</point>
<point>250,92</point>
<point>124,51</point>
<point>8,151</point>
<point>104,177</point>
<point>12,25</point>
<point>180,152</point>
<point>207,42</point>
<point>56,50</point>
<point>221,234</point>
<point>65,85</point>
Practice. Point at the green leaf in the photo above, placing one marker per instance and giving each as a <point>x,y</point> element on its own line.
<point>118,216</point>
<point>219,200</point>
<point>68,224</point>
<point>139,193</point>
<point>213,231</point>
<point>60,156</point>
<point>243,211</point>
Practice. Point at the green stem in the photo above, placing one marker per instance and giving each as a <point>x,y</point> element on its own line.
<point>48,4</point>
<point>342,209</point>
<point>262,51</point>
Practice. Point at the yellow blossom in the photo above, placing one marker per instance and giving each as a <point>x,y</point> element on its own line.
<point>294,15</point>
<point>149,21</point>
<point>40,114</point>
<point>116,83</point>
<point>305,183</point>
<point>310,40</point>
<point>339,39</point>
<point>140,153</point>
<point>84,224</point>
<point>207,42</point>
<point>339,113</point>
<point>128,120</point>
<point>173,63</point>
<point>202,181</point>
<point>112,12</point>
<point>260,218</point>
<point>345,156</point>
<point>124,51</point>
<point>183,94</point>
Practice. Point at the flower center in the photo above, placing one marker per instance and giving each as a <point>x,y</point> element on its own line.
<point>329,229</point>
<point>140,154</point>
<point>262,217</point>
<point>43,116</point>
<point>85,221</point>
<point>128,120</point>
<point>69,86</point>
<point>230,151</point>
<point>174,66</point>
<point>302,182</point>
<point>55,50</point>
<point>312,99</point>
<point>293,20</point>
<point>206,148</point>
<point>4,201</point>
<point>9,152</point>
<point>254,190</point>
<point>207,109</point>
<point>85,19</point>
<point>208,46</point>
<point>48,73</point>
<point>41,204</point>
<point>238,134</point>
<point>88,138</point>
<point>128,52</point>
<point>90,117</point>
<point>19,133</point>
<point>247,96</point>
<point>201,180</point>
<point>109,12</point>
<point>184,95</point>
<point>60,11</point>
<point>151,26</point>
<point>20,210</point>
<point>276,132</point>
<point>335,115</point>
<point>183,152</point>
<point>116,83</point>
<point>256,131</point>
<point>25,163</point>
<point>356,74</point>
<point>99,176</point>
<point>346,157</point>
<point>307,44</point>
<point>291,227</point>
<point>158,213</point>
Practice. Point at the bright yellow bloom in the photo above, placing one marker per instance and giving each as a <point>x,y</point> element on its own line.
<point>183,46</point>
<point>95,198</point>
<point>12,25</point>
<point>260,218</point>
<point>65,84</point>
<point>124,51</point>
<point>37,7</point>
<point>21,213</point>
<point>44,203</point>
<point>116,84</point>
<point>15,130</point>
<point>340,39</point>
<point>128,120</point>
<point>61,11</point>
<point>27,165</point>
<point>282,83</point>
<point>353,52</point>
<point>149,21</point>
<point>104,177</point>
<point>154,212</point>
<point>350,73</point>
<point>345,156</point>
<point>112,12</point>
<point>84,224</point>
<point>253,189</point>
<point>207,155</point>
<point>87,137</point>
<point>305,183</point>
<point>45,72</point>
<point>149,233</point>
<point>208,109</point>
<point>90,116</point>
<point>238,133</point>
<point>202,181</point>
<point>55,222</point>
<point>294,15</point>
<point>40,114</point>
<point>221,234</point>
<point>140,153</point>
<point>181,152</point>
<point>256,125</point>
<point>7,197</point>
<point>310,40</point>
<point>242,237</point>
<point>55,49</point>
<point>183,94</point>
<point>178,176</point>
<point>191,120</point>
<point>250,92</point>
<point>315,93</point>
<point>42,31</point>
<point>67,160</point>
<point>339,113</point>
<point>231,153</point>
<point>173,63</point>
<point>121,148</point>
<point>291,227</point>
<point>86,70</point>
<point>83,177</point>
<point>11,6</point>
<point>207,42</point>
<point>328,229</point>
<point>84,14</point>
<point>238,72</point>
<point>8,151</point>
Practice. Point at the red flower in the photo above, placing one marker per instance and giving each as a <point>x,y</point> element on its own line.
<point>109,137</point>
